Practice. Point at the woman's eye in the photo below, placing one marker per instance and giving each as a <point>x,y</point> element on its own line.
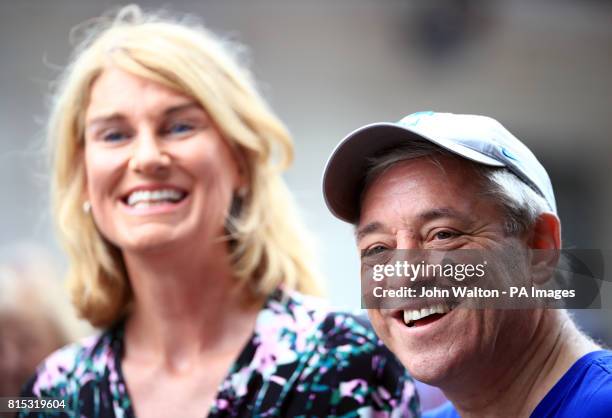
<point>113,136</point>
<point>180,128</point>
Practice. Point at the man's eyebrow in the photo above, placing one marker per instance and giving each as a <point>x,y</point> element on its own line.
<point>368,229</point>
<point>118,116</point>
<point>429,215</point>
<point>444,212</point>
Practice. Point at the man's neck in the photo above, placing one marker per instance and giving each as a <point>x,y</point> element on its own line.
<point>526,378</point>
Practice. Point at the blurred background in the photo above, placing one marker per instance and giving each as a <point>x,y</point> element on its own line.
<point>542,68</point>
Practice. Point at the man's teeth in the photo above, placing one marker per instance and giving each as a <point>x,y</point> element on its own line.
<point>145,197</point>
<point>416,314</point>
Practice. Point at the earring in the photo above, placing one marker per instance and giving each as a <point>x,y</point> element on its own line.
<point>242,192</point>
<point>86,207</point>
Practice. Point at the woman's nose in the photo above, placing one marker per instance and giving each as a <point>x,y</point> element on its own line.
<point>148,156</point>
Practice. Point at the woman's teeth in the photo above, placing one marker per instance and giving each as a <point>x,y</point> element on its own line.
<point>415,314</point>
<point>151,197</point>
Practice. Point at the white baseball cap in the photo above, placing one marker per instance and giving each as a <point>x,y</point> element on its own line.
<point>477,138</point>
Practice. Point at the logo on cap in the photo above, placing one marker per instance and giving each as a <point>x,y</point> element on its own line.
<point>508,154</point>
<point>414,118</point>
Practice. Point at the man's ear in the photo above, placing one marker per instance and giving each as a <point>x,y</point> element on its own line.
<point>545,245</point>
<point>546,232</point>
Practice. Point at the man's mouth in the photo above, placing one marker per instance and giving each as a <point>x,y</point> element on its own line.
<point>425,315</point>
<point>148,198</point>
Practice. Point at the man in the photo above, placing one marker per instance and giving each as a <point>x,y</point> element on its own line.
<point>446,181</point>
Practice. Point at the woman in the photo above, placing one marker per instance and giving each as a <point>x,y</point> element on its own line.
<point>185,248</point>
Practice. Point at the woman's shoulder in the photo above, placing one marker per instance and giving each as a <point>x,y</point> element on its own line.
<point>338,356</point>
<point>306,324</point>
<point>67,370</point>
<point>314,318</point>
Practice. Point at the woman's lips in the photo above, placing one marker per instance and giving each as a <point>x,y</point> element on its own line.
<point>161,201</point>
<point>153,193</point>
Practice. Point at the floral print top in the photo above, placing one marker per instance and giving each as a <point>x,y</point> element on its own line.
<point>303,360</point>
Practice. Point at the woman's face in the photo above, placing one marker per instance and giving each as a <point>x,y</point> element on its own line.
<point>157,170</point>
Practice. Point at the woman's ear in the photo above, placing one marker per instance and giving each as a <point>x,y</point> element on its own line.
<point>243,170</point>
<point>84,182</point>
<point>545,245</point>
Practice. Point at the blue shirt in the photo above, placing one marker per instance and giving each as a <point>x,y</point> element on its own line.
<point>584,391</point>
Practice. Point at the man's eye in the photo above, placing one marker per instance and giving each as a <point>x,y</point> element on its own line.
<point>375,250</point>
<point>445,235</point>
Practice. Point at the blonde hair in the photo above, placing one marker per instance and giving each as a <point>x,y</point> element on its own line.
<point>269,244</point>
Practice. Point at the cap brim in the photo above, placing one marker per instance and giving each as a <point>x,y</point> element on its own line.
<point>347,166</point>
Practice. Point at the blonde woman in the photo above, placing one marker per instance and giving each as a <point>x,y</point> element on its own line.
<point>185,248</point>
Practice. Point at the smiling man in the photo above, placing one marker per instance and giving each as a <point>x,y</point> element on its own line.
<point>439,181</point>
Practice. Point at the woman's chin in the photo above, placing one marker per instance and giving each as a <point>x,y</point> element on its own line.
<point>153,240</point>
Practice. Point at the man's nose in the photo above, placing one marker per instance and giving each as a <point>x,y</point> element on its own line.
<point>407,240</point>
<point>148,156</point>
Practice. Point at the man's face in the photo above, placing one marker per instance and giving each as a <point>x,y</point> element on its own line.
<point>419,204</point>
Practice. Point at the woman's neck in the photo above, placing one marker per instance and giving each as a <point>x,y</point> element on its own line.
<point>186,304</point>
